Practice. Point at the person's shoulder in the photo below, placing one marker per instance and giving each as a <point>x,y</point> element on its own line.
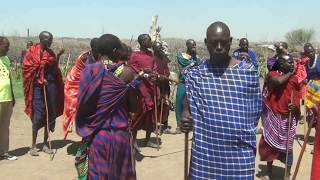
<point>136,52</point>
<point>84,55</point>
<point>203,65</point>
<point>135,55</point>
<point>251,50</point>
<point>196,72</point>
<point>179,53</point>
<point>234,61</point>
<point>33,48</point>
<point>186,56</point>
<point>128,74</point>
<point>95,66</point>
<point>51,52</point>
<point>236,51</point>
<point>5,59</point>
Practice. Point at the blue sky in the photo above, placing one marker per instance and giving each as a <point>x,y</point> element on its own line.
<point>262,20</point>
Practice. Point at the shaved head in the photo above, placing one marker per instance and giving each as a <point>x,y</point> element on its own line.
<point>45,35</point>
<point>109,46</point>
<point>45,39</point>
<point>4,46</point>
<point>218,28</point>
<point>309,50</point>
<point>244,45</point>
<point>218,43</point>
<point>286,62</point>
<point>190,41</point>
<point>191,47</point>
<point>145,41</point>
<point>29,44</point>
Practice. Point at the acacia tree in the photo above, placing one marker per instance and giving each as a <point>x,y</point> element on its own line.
<point>299,37</point>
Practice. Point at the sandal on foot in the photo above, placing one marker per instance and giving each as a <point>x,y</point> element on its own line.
<point>33,152</point>
<point>45,149</point>
<point>8,157</point>
<point>151,144</point>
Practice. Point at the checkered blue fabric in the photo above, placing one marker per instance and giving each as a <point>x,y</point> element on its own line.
<point>225,105</point>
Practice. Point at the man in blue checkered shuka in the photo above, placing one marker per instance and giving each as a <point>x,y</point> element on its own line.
<point>222,107</point>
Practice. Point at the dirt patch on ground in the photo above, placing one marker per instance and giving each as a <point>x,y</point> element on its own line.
<point>165,164</point>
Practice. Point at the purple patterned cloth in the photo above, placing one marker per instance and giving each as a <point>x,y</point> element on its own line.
<point>270,62</point>
<point>102,113</point>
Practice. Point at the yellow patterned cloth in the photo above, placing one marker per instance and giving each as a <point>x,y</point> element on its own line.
<point>5,83</point>
<point>118,71</point>
<point>313,94</point>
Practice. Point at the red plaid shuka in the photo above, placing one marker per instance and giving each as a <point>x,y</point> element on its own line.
<point>139,61</point>
<point>33,72</point>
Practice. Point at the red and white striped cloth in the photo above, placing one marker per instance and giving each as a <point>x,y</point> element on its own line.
<point>71,91</point>
<point>275,129</point>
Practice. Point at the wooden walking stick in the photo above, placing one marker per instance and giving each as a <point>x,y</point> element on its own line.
<point>67,65</point>
<point>305,120</point>
<point>156,117</point>
<point>47,118</point>
<point>303,149</point>
<point>186,156</point>
<point>288,136</point>
<point>161,111</point>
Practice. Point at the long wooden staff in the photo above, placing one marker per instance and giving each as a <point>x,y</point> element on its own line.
<point>305,120</point>
<point>156,116</point>
<point>306,137</point>
<point>288,136</point>
<point>186,150</point>
<point>67,65</point>
<point>47,118</point>
<point>161,111</point>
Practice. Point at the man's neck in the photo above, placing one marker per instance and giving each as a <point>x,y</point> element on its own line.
<point>42,48</point>
<point>143,49</point>
<point>223,63</point>
<point>189,53</point>
<point>244,50</point>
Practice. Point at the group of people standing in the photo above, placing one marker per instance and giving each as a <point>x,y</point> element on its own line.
<point>109,102</point>
<point>218,98</point>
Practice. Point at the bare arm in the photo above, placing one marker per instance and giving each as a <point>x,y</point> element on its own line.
<point>59,54</point>
<point>279,80</point>
<point>186,118</point>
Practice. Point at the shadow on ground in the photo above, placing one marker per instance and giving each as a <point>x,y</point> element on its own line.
<point>55,145</point>
<point>277,172</point>
<point>72,148</point>
<point>301,138</point>
<point>142,144</point>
